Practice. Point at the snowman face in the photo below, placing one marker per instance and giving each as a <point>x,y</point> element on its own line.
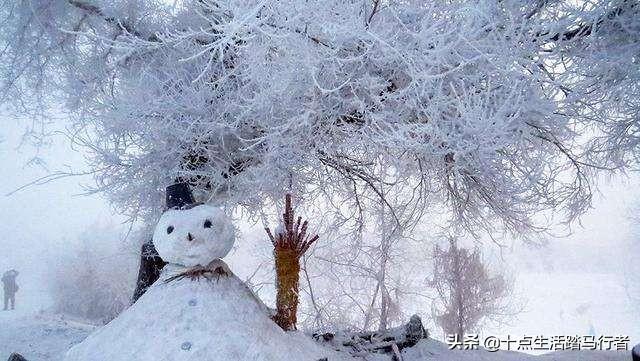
<point>193,236</point>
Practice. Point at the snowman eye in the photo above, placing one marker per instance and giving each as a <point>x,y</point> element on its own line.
<point>207,224</point>
<point>169,229</point>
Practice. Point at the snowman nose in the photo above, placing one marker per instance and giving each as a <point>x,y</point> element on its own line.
<point>189,237</point>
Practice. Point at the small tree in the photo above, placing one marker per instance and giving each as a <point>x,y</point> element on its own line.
<point>465,290</point>
<point>94,281</point>
<point>289,245</point>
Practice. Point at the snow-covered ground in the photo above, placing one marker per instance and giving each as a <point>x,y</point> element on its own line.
<point>32,333</point>
<point>574,303</point>
<point>39,337</point>
<point>206,319</point>
<point>45,337</point>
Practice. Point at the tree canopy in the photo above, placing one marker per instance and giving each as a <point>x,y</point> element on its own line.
<point>488,110</point>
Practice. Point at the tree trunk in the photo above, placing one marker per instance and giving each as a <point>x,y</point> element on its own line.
<point>289,245</point>
<point>457,269</point>
<point>288,274</point>
<point>150,267</point>
<point>384,307</point>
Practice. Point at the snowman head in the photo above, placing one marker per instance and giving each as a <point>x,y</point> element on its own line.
<point>193,236</point>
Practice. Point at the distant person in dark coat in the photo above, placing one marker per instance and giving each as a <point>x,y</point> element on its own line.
<point>10,288</point>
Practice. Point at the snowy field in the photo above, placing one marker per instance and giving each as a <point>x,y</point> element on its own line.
<point>39,338</point>
<point>35,334</point>
<point>573,304</point>
<point>43,337</point>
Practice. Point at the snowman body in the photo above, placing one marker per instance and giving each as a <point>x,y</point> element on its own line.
<point>209,318</point>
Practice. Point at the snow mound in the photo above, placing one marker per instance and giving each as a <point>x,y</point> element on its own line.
<point>203,320</point>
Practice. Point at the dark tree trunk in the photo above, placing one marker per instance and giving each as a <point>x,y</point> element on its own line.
<point>150,267</point>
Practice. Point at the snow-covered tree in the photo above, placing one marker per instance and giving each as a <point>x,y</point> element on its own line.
<point>466,292</point>
<point>331,100</point>
<point>367,276</point>
<point>595,65</point>
<point>95,280</point>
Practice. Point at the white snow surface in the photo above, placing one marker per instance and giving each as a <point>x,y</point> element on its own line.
<point>43,337</point>
<point>203,320</point>
<point>39,337</point>
<point>46,338</point>
<point>194,236</point>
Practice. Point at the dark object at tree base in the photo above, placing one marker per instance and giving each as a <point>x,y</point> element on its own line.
<point>386,341</point>
<point>635,353</point>
<point>16,357</point>
<point>150,267</point>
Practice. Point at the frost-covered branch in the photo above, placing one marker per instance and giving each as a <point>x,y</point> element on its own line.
<point>473,108</point>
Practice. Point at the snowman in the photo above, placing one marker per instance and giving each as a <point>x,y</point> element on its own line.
<point>198,309</point>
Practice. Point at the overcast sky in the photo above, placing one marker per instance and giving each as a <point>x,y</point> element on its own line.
<point>574,284</point>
